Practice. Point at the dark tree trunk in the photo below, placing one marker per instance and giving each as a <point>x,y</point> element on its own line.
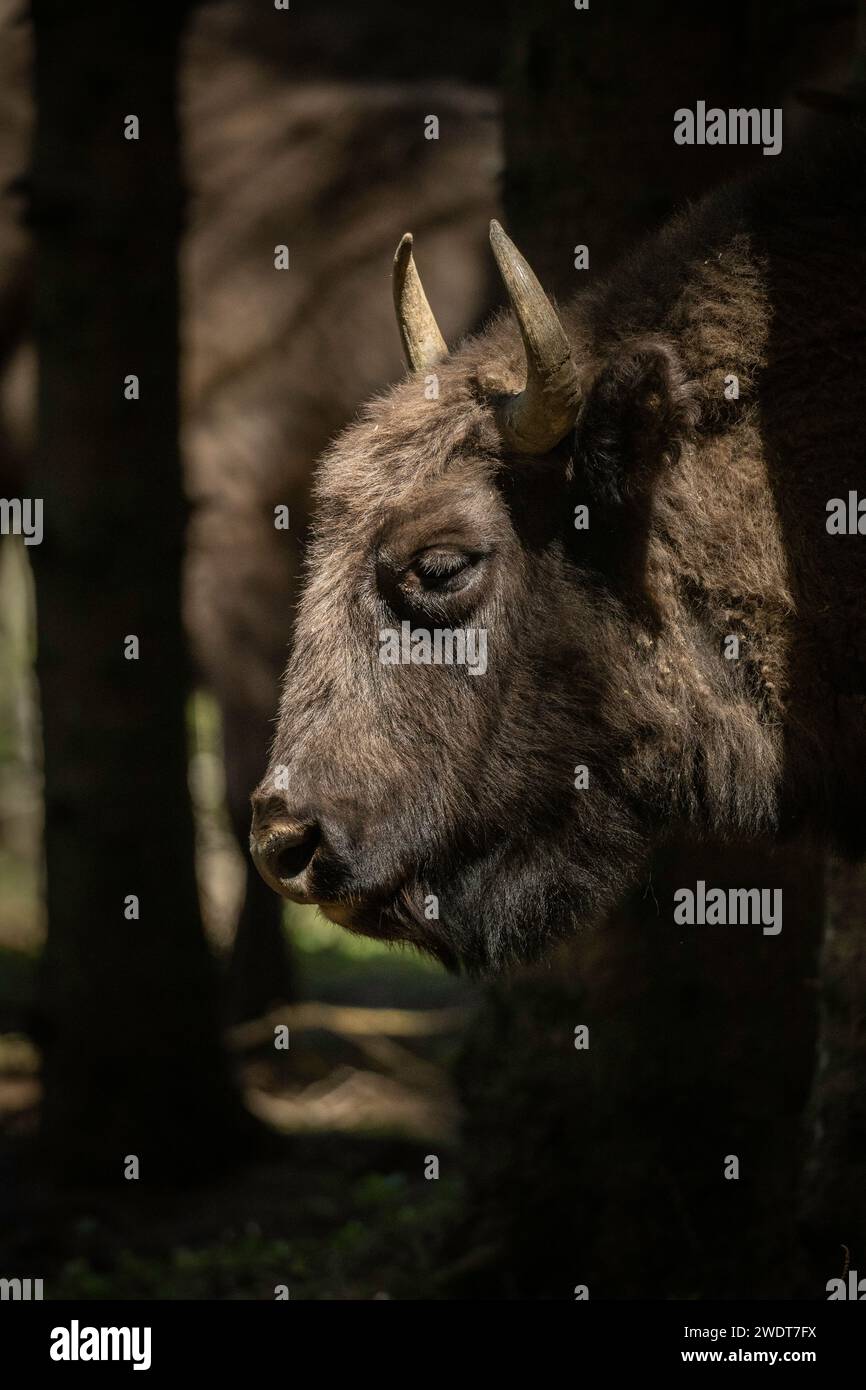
<point>834,1186</point>
<point>133,1061</point>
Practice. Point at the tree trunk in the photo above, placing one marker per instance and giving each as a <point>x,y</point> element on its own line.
<point>834,1189</point>
<point>133,1061</point>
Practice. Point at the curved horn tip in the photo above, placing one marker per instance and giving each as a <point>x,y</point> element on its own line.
<point>501,243</point>
<point>404,249</point>
<point>545,410</point>
<point>423,344</point>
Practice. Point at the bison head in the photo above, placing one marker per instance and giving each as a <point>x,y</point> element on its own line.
<point>508,675</point>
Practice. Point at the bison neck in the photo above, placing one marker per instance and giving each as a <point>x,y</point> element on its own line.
<point>758,529</point>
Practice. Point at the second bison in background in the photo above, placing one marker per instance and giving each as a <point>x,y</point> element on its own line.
<point>610,497</point>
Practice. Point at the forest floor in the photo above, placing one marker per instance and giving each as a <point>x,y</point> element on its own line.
<point>339,1208</point>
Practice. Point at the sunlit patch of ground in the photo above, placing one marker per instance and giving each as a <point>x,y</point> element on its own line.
<point>382,1083</point>
<point>345,1070</point>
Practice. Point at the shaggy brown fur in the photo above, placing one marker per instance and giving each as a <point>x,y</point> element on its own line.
<point>707,518</point>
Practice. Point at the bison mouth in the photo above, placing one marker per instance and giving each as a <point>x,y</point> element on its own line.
<point>397,918</point>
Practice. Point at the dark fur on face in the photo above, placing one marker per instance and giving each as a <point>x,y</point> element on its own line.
<point>606,646</point>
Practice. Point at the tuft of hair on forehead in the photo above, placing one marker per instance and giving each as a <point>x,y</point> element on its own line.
<point>409,434</point>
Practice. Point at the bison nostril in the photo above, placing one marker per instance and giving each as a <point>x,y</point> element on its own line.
<point>287,848</point>
<point>293,850</point>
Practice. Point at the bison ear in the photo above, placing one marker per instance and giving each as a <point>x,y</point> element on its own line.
<point>636,417</point>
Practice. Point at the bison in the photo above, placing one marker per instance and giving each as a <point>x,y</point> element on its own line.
<point>630,499</point>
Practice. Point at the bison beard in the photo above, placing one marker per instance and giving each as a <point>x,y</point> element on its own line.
<point>478,927</point>
<point>412,791</point>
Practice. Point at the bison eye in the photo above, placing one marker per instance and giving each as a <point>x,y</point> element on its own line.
<point>440,571</point>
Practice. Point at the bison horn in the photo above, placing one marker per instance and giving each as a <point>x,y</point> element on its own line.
<point>542,414</point>
<point>423,344</point>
